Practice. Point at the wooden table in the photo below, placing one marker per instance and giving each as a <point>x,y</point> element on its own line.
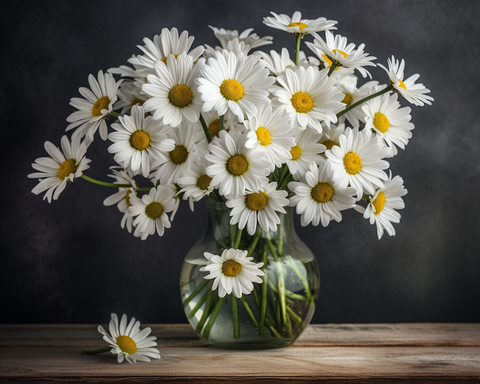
<point>334,353</point>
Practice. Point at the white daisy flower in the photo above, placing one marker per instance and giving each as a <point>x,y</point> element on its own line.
<point>173,91</point>
<point>163,45</point>
<point>253,40</point>
<point>151,211</point>
<point>139,140</point>
<point>95,107</point>
<point>357,161</point>
<point>260,206</point>
<point>297,25</point>
<point>236,83</point>
<point>129,95</point>
<point>128,342</point>
<point>61,167</point>
<point>179,159</point>
<point>331,135</point>
<point>278,63</point>
<point>270,133</point>
<point>336,51</point>
<point>320,198</point>
<point>389,121</point>
<point>352,94</point>
<point>381,209</point>
<point>233,272</point>
<point>308,96</point>
<point>122,197</point>
<point>414,93</point>
<point>195,182</point>
<point>234,167</point>
<point>212,121</point>
<point>306,149</point>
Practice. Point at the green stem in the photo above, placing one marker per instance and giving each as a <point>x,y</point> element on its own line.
<point>213,316</point>
<point>236,321</point>
<point>249,311</point>
<point>332,68</point>
<point>114,114</point>
<point>263,306</point>
<point>304,282</point>
<point>294,316</point>
<point>254,242</point>
<point>101,350</point>
<point>297,47</point>
<point>220,125</point>
<point>379,93</point>
<point>205,129</point>
<point>196,292</point>
<point>289,294</point>
<point>199,304</point>
<point>105,184</point>
<point>206,311</point>
<point>281,280</point>
<point>238,236</point>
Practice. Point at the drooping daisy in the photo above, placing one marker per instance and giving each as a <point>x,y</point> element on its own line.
<point>173,91</point>
<point>238,83</point>
<point>234,167</point>
<point>270,133</point>
<point>389,121</point>
<point>61,167</point>
<point>128,342</point>
<point>414,93</point>
<point>320,198</point>
<point>95,107</point>
<point>168,169</point>
<point>122,197</point>
<point>233,272</point>
<point>195,182</point>
<point>260,206</point>
<point>308,96</point>
<point>306,149</point>
<point>151,211</point>
<point>129,95</point>
<point>297,25</point>
<point>139,140</point>
<point>163,45</point>
<point>277,63</point>
<point>382,206</point>
<point>336,51</point>
<point>357,161</point>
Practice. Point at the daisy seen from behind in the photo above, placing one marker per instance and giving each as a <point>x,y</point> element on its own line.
<point>236,83</point>
<point>138,141</point>
<point>258,207</point>
<point>308,96</point>
<point>95,107</point>
<point>414,93</point>
<point>233,272</point>
<point>382,206</point>
<point>65,165</point>
<point>357,161</point>
<point>318,197</point>
<point>128,342</point>
<point>151,211</point>
<point>297,25</point>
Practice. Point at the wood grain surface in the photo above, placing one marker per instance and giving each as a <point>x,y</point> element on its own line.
<point>337,353</point>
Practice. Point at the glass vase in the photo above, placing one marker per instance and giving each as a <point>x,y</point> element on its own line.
<point>277,311</point>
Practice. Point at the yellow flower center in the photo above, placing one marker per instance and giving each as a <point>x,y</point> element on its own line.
<point>136,101</point>
<point>126,344</point>
<point>300,25</point>
<point>302,102</point>
<point>213,127</point>
<point>237,165</point>
<point>263,136</point>
<point>379,203</point>
<point>179,154</point>
<point>256,201</point>
<point>154,210</point>
<point>231,90</point>
<point>329,62</point>
<point>100,104</point>
<point>352,163</point>
<point>140,140</point>
<point>231,268</point>
<point>402,84</point>
<point>329,144</point>
<point>180,96</point>
<point>322,192</point>
<point>296,152</point>
<point>347,99</point>
<point>165,58</point>
<point>66,168</point>
<point>381,122</point>
<point>203,182</point>
<point>127,198</point>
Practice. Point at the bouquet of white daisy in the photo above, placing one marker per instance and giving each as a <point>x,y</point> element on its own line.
<point>255,133</point>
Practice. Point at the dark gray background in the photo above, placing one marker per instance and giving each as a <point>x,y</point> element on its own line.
<point>69,261</point>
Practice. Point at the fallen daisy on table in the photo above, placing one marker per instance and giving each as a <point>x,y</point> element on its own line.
<point>127,341</point>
